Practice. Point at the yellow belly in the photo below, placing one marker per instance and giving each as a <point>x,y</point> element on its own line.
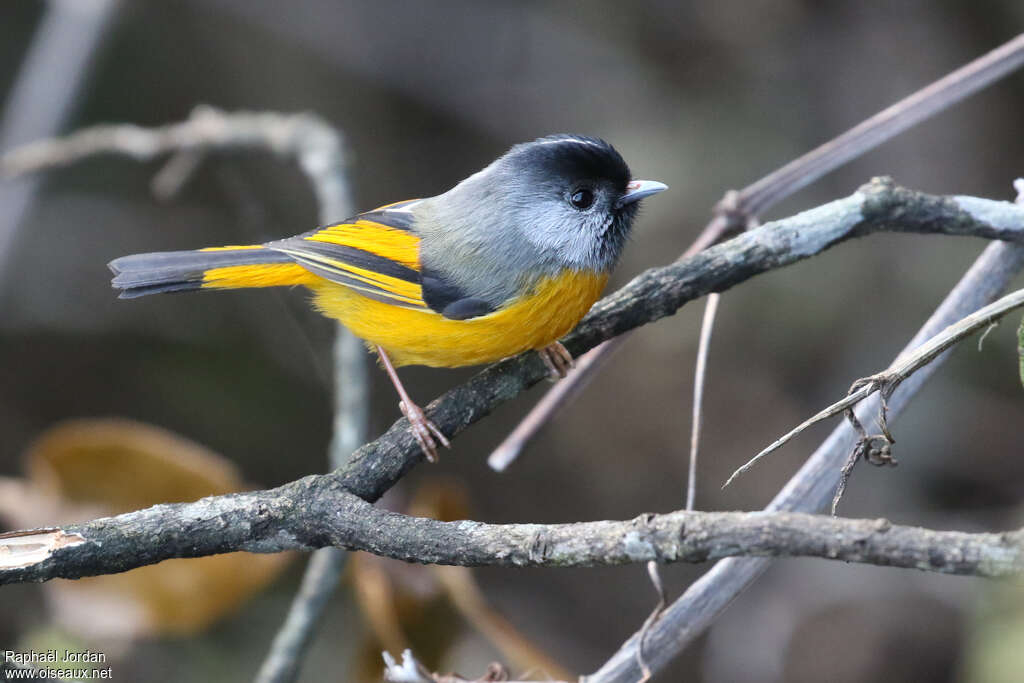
<point>415,337</point>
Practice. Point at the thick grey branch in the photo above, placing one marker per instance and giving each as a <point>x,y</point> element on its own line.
<point>316,511</point>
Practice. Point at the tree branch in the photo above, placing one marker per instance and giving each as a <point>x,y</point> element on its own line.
<point>316,512</point>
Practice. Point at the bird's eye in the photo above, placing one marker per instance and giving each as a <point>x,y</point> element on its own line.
<point>582,199</point>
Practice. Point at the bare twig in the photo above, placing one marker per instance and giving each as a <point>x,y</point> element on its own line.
<point>810,489</point>
<point>286,653</point>
<point>1018,185</point>
<point>903,367</point>
<point>1020,349</point>
<point>659,587</point>
<point>169,180</point>
<point>558,396</point>
<point>736,207</point>
<point>703,349</point>
<point>984,335</point>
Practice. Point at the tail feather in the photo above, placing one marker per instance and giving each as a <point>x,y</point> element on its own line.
<point>177,271</point>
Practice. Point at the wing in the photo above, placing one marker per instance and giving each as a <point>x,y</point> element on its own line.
<point>375,254</point>
<point>378,255</point>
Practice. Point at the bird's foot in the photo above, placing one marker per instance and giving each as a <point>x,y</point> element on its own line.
<point>423,430</point>
<point>558,359</point>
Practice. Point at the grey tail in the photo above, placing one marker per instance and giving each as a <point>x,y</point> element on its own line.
<point>181,271</point>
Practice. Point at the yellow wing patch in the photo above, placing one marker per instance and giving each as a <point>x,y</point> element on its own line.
<point>375,259</point>
<point>390,243</point>
<point>352,276</point>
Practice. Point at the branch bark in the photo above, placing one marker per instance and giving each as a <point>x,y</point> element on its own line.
<point>317,512</point>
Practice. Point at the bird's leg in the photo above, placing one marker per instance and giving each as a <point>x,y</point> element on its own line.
<point>423,429</point>
<point>558,359</point>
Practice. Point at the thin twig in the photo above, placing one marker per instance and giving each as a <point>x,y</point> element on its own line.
<point>563,393</point>
<point>286,653</point>
<point>984,336</point>
<point>735,208</point>
<point>169,180</point>
<point>1018,185</point>
<point>654,574</point>
<point>902,368</point>
<point>703,349</point>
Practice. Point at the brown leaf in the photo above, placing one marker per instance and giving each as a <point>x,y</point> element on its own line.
<point>83,469</point>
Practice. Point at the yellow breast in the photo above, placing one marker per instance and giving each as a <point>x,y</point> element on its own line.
<point>416,337</point>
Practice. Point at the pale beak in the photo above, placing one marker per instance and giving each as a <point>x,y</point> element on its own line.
<point>638,189</point>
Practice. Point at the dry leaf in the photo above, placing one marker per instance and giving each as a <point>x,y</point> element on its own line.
<point>83,469</point>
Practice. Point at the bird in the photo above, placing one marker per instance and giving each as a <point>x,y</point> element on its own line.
<point>508,260</point>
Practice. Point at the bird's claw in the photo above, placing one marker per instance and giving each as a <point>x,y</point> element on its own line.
<point>557,359</point>
<point>423,430</point>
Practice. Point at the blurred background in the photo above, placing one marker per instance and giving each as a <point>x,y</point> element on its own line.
<point>705,96</point>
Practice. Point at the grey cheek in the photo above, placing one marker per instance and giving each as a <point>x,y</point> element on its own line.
<point>550,235</point>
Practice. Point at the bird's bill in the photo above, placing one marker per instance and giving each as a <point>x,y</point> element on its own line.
<point>638,189</point>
